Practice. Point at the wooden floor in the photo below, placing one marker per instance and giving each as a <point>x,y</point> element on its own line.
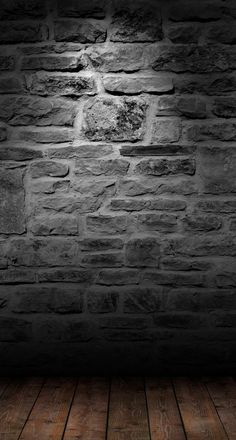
<point>117,409</point>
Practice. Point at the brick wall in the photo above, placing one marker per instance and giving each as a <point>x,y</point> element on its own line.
<point>118,181</point>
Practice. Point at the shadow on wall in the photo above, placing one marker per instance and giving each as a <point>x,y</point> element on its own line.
<point>117,186</point>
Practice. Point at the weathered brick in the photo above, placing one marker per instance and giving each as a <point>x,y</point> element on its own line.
<point>22,32</point>
<point>142,300</point>
<point>119,277</point>
<point>199,299</point>
<point>115,119</point>
<point>54,225</point>
<point>10,84</point>
<point>162,167</point>
<point>107,167</point>
<point>166,130</point>
<point>78,276</point>
<point>55,135</point>
<point>48,168</point>
<point>79,31</point>
<point>12,217</point>
<point>184,33</point>
<point>100,244</point>
<point>18,9</point>
<point>201,246</point>
<point>117,58</point>
<point>232,226</point>
<point>218,206</point>
<point>211,84</point>
<point>103,259</point>
<point>143,252</point>
<point>128,205</point>
<point>37,111</point>
<point>134,85</point>
<point>223,32</point>
<point>14,329</point>
<point>184,264</point>
<point>82,151</point>
<point>174,279</point>
<point>47,299</point>
<point>179,320</point>
<point>3,133</point>
<point>53,63</point>
<point>190,107</point>
<point>225,107</point>
<point>136,22</point>
<point>157,150</point>
<point>19,153</point>
<point>43,252</point>
<point>226,279</point>
<point>192,58</point>
<point>16,276</point>
<point>217,169</point>
<point>7,62</point>
<point>211,129</point>
<point>157,222</point>
<point>60,84</point>
<point>107,224</point>
<point>85,8</point>
<point>102,301</point>
<point>201,222</point>
<point>65,203</point>
<point>95,187</point>
<point>139,205</point>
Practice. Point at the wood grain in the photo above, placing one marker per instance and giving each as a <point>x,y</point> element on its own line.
<point>164,416</point>
<point>199,415</point>
<point>15,405</point>
<point>88,415</point>
<point>128,418</point>
<point>223,394</point>
<point>49,415</point>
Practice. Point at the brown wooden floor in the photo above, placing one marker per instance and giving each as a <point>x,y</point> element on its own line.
<point>117,409</point>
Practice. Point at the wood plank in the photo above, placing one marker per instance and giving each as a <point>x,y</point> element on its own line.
<point>199,415</point>
<point>164,416</point>
<point>223,394</point>
<point>88,415</point>
<point>15,405</point>
<point>49,415</point>
<point>128,419</point>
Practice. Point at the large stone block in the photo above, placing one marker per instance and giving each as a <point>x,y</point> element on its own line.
<point>115,119</point>
<point>117,58</point>
<point>12,202</point>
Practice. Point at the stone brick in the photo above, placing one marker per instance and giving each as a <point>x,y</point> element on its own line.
<point>136,22</point>
<point>232,226</point>
<point>222,33</point>
<point>68,204</point>
<point>164,167</point>
<point>162,204</point>
<point>157,222</point>
<point>47,299</point>
<point>78,276</point>
<point>16,276</point>
<point>218,206</point>
<point>166,130</point>
<point>56,330</point>
<point>53,63</point>
<point>119,277</point>
<point>201,246</point>
<point>184,33</point>
<point>107,224</point>
<point>18,9</point>
<point>60,84</point>
<point>107,167</point>
<point>54,225</point>
<point>100,244</point>
<point>142,252</point>
<point>43,252</point>
<point>22,32</point>
<point>48,168</point>
<point>37,111</point>
<point>82,151</point>
<point>115,119</point>
<point>14,329</point>
<point>179,320</point>
<point>3,255</point>
<point>19,153</point>
<point>123,322</point>
<point>85,8</point>
<point>157,150</point>
<point>191,58</point>
<point>226,279</point>
<point>55,135</point>
<point>3,133</point>
<point>184,264</point>
<point>211,130</point>
<point>95,187</point>
<point>134,85</point>
<point>102,301</point>
<point>117,58</point>
<point>139,205</point>
<point>211,84</point>
<point>200,222</point>
<point>142,300</point>
<point>190,107</point>
<point>103,259</point>
<point>195,11</point>
<point>225,107</point>
<point>217,169</point>
<point>174,279</point>
<point>79,31</point>
<point>10,84</point>
<point>7,62</point>
<point>12,218</point>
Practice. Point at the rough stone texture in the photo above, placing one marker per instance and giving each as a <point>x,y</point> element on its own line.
<point>117,187</point>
